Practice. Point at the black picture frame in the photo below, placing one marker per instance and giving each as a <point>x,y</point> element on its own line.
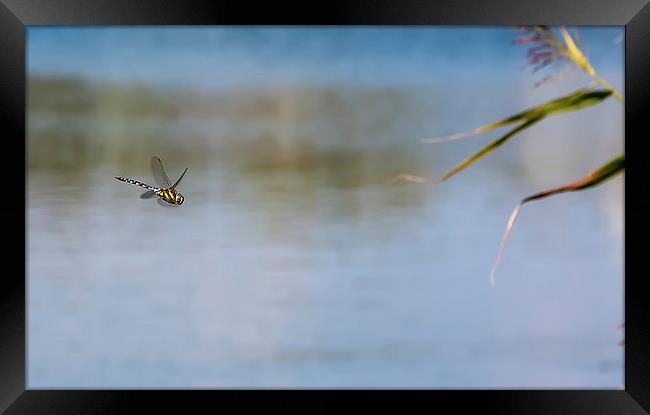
<point>15,15</point>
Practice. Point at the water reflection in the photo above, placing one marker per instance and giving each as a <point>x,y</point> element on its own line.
<point>292,262</point>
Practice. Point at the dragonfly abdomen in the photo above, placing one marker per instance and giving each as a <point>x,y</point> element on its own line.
<point>137,183</point>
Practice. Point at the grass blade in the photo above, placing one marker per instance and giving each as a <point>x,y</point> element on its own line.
<point>596,177</point>
<point>575,54</point>
<point>487,149</point>
<point>574,101</point>
<point>467,161</point>
<point>571,102</point>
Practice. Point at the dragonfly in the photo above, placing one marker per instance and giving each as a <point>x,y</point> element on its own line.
<point>166,192</point>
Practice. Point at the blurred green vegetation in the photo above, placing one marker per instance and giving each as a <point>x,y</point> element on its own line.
<point>336,136</point>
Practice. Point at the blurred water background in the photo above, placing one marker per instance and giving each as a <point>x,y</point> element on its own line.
<point>292,262</point>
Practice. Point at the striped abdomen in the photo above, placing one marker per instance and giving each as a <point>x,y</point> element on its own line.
<point>137,183</point>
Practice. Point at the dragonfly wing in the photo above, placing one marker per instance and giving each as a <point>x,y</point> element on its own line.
<point>179,179</point>
<point>148,195</point>
<point>159,172</point>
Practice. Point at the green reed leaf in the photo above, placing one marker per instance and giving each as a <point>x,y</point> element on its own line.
<point>487,149</point>
<point>571,102</point>
<point>596,177</point>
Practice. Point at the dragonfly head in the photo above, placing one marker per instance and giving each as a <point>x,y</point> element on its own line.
<point>179,199</point>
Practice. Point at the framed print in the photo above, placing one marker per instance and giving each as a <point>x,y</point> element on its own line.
<point>302,202</point>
